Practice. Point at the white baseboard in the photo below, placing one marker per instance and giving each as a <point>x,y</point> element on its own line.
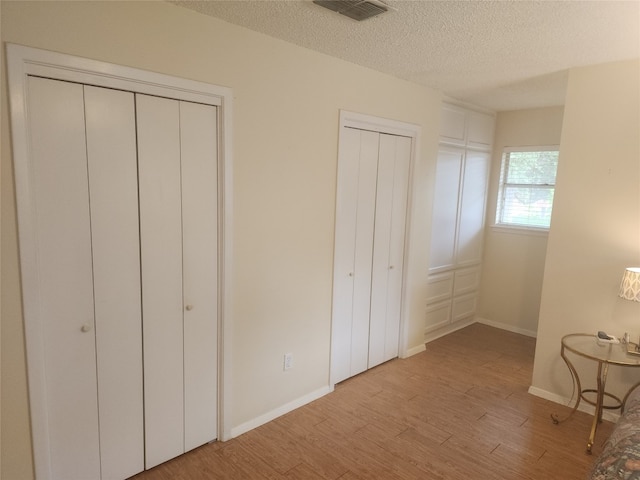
<point>446,330</point>
<point>584,406</point>
<point>278,412</point>
<point>414,351</point>
<point>506,326</point>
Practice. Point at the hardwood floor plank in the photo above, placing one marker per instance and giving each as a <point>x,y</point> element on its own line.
<point>459,410</point>
<point>304,472</point>
<point>248,462</point>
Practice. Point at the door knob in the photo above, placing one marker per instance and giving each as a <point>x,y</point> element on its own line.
<point>85,328</point>
<point>189,308</point>
<point>390,267</point>
<point>351,274</point>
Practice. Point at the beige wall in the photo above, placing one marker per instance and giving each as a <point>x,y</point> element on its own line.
<point>513,262</point>
<point>595,230</point>
<point>285,123</point>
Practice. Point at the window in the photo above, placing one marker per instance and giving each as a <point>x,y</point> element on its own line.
<point>527,184</point>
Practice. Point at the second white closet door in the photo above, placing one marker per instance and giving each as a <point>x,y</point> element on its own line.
<point>373,176</point>
<point>177,172</point>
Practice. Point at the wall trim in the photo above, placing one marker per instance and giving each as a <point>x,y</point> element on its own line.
<point>23,61</point>
<point>506,326</point>
<point>414,351</point>
<point>378,124</point>
<point>432,335</point>
<point>567,402</point>
<point>281,410</point>
<point>468,106</point>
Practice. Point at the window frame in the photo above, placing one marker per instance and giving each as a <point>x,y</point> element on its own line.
<point>501,193</point>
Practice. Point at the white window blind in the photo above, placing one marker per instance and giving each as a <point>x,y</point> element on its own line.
<point>527,185</point>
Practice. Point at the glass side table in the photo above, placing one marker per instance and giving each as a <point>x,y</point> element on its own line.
<point>586,345</point>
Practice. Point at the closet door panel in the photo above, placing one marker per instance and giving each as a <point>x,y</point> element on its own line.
<point>200,242</point>
<point>63,241</point>
<point>396,245</point>
<point>112,163</point>
<point>161,258</point>
<point>368,170</point>
<point>344,255</point>
<point>388,257</point>
<point>381,243</point>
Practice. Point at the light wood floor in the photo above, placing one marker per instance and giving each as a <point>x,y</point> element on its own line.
<point>460,410</point>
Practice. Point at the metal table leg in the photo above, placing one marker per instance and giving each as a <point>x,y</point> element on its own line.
<point>597,415</point>
<point>576,385</point>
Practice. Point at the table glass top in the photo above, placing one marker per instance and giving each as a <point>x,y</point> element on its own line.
<point>588,346</point>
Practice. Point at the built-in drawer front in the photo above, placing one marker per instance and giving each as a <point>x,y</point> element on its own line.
<point>466,280</point>
<point>464,307</point>
<point>438,315</point>
<point>439,287</point>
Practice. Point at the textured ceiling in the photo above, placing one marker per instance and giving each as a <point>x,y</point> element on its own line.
<point>503,55</point>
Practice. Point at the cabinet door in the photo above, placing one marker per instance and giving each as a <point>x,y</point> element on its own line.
<point>463,307</point>
<point>466,280</point>
<point>445,209</point>
<point>453,124</point>
<point>480,129</point>
<point>161,256</point>
<point>198,147</point>
<point>388,247</point>
<point>60,197</point>
<point>113,186</point>
<point>437,315</point>
<point>472,208</point>
<point>439,287</point>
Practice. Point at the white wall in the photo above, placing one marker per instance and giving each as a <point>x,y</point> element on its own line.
<point>513,261</point>
<point>286,107</point>
<point>595,229</point>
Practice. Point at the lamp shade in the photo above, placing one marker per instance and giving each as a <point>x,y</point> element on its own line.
<point>630,285</point>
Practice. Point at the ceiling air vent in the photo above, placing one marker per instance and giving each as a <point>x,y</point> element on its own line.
<point>357,9</point>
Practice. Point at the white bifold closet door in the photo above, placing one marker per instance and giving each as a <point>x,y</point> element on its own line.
<point>388,248</point>
<point>124,195</point>
<point>83,150</point>
<point>178,230</point>
<point>373,176</point>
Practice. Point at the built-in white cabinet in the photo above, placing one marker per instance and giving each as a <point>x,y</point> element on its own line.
<point>457,229</point>
<point>466,128</point>
<point>123,202</point>
<point>373,178</point>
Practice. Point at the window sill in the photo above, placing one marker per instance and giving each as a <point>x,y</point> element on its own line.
<point>515,230</point>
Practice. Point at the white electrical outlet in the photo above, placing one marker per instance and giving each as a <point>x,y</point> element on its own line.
<point>288,361</point>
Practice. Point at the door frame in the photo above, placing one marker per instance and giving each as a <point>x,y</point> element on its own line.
<point>24,61</point>
<point>372,123</point>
